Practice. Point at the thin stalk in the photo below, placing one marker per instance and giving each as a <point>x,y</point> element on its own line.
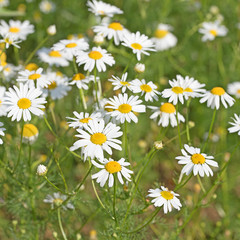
<point>20,149</point>
<point>178,126</point>
<point>184,183</point>
<point>96,86</point>
<point>126,68</point>
<point>187,122</point>
<point>52,184</point>
<point>125,140</point>
<point>16,54</point>
<point>114,200</point>
<point>60,224</point>
<point>62,175</point>
<point>83,98</point>
<point>98,198</point>
<point>200,183</point>
<point>210,129</point>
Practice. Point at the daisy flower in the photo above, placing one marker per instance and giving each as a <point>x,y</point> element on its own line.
<point>10,39</point>
<point>10,71</point>
<point>18,29</point>
<point>31,66</point>
<point>3,107</point>
<point>124,107</point>
<point>163,38</point>
<point>164,197</point>
<point>52,57</point>
<point>96,138</point>
<point>196,161</point>
<point>46,6</point>
<point>100,8</point>
<point>1,132</point>
<point>30,133</point>
<point>167,114</point>
<point>58,88</point>
<point>214,96</point>
<point>235,125</point>
<point>210,30</point>
<point>34,77</point>
<point>57,199</point>
<point>139,43</point>
<point>82,119</point>
<point>4,3</point>
<point>109,167</point>
<point>120,82</point>
<point>81,81</point>
<point>234,89</point>
<point>149,89</point>
<point>113,30</point>
<point>69,47</point>
<point>22,101</point>
<point>96,57</point>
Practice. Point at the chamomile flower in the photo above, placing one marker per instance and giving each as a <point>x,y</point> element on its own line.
<point>210,30</point>
<point>30,133</point>
<point>97,57</point>
<point>214,97</point>
<point>52,57</point>
<point>100,8</point>
<point>96,138</point>
<point>2,132</point>
<point>235,125</point>
<point>163,38</point>
<point>146,88</point>
<point>113,30</point>
<point>124,107</point>
<point>196,162</point>
<point>166,198</point>
<point>167,114</point>
<point>109,167</point>
<point>4,3</point>
<point>82,119</point>
<point>120,82</point>
<point>58,87</point>
<point>23,101</point>
<point>3,107</point>
<point>81,81</point>
<point>35,77</point>
<point>31,66</point>
<point>139,43</point>
<point>9,39</point>
<point>56,200</point>
<point>69,47</point>
<point>10,71</point>
<point>234,89</point>
<point>46,6</point>
<point>18,29</point>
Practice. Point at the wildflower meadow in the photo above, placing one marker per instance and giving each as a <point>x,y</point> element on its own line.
<point>119,119</point>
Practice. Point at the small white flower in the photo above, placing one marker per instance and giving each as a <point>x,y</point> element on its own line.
<point>120,82</point>
<point>214,97</point>
<point>139,68</point>
<point>2,132</point>
<point>164,197</point>
<point>210,30</point>
<point>30,133</point>
<point>235,125</point>
<point>81,80</point>
<point>146,88</point>
<point>46,6</point>
<point>51,30</point>
<point>163,38</point>
<point>167,114</point>
<point>139,43</point>
<point>58,199</point>
<point>4,3</point>
<point>109,167</point>
<point>196,162</point>
<point>41,170</point>
<point>10,39</point>
<point>3,107</point>
<point>234,89</point>
<point>124,107</point>
<point>98,39</point>
<point>97,57</point>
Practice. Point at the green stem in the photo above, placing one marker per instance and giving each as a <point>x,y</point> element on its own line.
<point>187,122</point>
<point>114,200</point>
<point>125,133</point>
<point>61,173</point>
<point>178,126</point>
<point>183,184</point>
<point>210,129</point>
<point>16,54</point>
<point>200,183</point>
<point>60,224</point>
<point>96,86</point>
<point>20,149</point>
<point>52,184</point>
<point>126,68</point>
<point>83,98</point>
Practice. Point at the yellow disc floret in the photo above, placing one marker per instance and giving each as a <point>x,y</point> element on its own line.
<point>78,76</point>
<point>29,130</point>
<point>34,76</point>
<point>115,26</point>
<point>188,90</point>
<point>85,120</point>
<point>31,67</point>
<point>98,138</point>
<point>125,108</point>
<point>136,46</point>
<point>213,32</point>
<point>71,45</point>
<point>52,86</point>
<point>146,88</point>
<point>24,103</point>
<point>167,108</point>
<point>161,33</point>
<point>198,158</point>
<point>96,55</point>
<point>54,54</point>
<point>177,90</point>
<point>113,167</point>
<point>167,195</point>
<point>218,91</point>
<point>14,29</point>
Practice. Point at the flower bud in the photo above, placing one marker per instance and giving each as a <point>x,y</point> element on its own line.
<point>41,170</point>
<point>51,30</point>
<point>98,39</point>
<point>139,68</point>
<point>158,145</point>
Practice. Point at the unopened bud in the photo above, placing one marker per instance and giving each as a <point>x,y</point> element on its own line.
<point>158,145</point>
<point>41,170</point>
<point>139,68</point>
<point>98,39</point>
<point>191,124</point>
<point>51,30</point>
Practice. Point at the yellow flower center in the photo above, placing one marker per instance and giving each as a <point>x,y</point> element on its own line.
<point>198,158</point>
<point>167,195</point>
<point>238,91</point>
<point>14,29</point>
<point>31,67</point>
<point>24,103</point>
<point>54,54</point>
<point>125,83</point>
<point>115,26</point>
<point>34,76</point>
<point>188,90</point>
<point>0,102</point>
<point>146,88</point>
<point>167,108</point>
<point>29,130</point>
<point>213,32</point>
<point>58,201</point>
<point>78,76</point>
<point>53,85</point>
<point>218,91</point>
<point>98,138</point>
<point>125,108</point>
<point>177,90</point>
<point>113,167</point>
<point>71,45</point>
<point>95,55</point>
<point>101,12</point>
<point>85,120</point>
<point>136,46</point>
<point>161,33</point>
<point>108,109</point>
